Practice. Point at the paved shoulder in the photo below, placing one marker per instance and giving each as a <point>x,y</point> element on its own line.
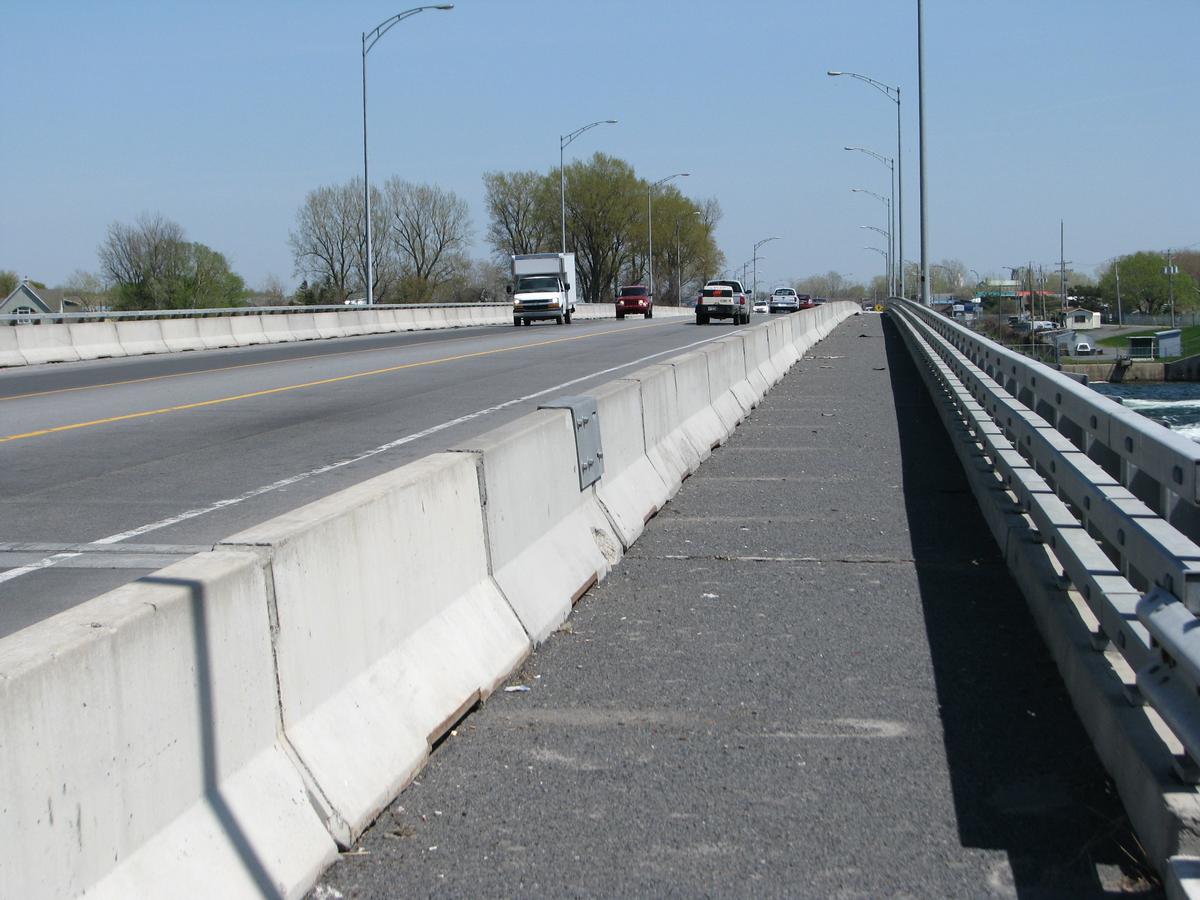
<point>810,677</point>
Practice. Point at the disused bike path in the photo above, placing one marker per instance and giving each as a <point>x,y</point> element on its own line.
<point>812,676</point>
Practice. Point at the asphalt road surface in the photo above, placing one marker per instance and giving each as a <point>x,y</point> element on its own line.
<point>811,677</point>
<point>113,468</point>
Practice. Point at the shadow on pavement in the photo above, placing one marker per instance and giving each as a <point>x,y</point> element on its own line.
<point>1024,776</point>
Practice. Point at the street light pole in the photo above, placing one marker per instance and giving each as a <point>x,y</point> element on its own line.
<point>887,214</point>
<point>888,91</point>
<point>374,35</point>
<point>891,164</point>
<point>754,289</point>
<point>650,223</point>
<point>884,254</point>
<point>564,141</point>
<point>921,151</point>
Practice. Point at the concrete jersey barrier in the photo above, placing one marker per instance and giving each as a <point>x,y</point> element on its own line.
<point>389,628</point>
<point>236,716</point>
<point>548,541</point>
<point>141,751</point>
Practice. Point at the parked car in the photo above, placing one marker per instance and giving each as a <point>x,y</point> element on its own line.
<point>1083,348</point>
<point>784,300</point>
<point>723,300</point>
<point>634,299</point>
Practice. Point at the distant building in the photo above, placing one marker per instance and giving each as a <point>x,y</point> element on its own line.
<point>1080,319</point>
<point>24,301</point>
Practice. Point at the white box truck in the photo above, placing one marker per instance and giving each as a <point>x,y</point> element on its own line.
<point>543,287</point>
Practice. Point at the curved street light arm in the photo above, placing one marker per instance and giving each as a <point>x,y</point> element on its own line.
<point>886,160</point>
<point>873,228</point>
<point>892,93</point>
<point>386,25</point>
<point>882,199</point>
<point>564,140</point>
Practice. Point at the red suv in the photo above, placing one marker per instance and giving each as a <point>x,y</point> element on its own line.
<point>635,299</point>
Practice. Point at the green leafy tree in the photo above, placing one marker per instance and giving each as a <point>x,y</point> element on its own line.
<point>523,212</point>
<point>1145,287</point>
<point>8,282</point>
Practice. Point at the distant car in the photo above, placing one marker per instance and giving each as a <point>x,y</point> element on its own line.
<point>819,300</point>
<point>1083,348</point>
<point>806,301</point>
<point>761,306</point>
<point>784,300</point>
<point>634,299</point>
<point>1044,326</point>
<point>723,300</point>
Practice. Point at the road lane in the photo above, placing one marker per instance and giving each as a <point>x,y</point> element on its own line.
<point>288,425</point>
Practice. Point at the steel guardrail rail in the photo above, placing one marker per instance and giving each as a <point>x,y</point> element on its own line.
<point>137,314</point>
<point>1111,494</point>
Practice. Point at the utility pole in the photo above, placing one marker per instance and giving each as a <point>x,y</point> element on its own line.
<point>1062,267</point>
<point>921,145</point>
<point>1170,271</point>
<point>1117,272</point>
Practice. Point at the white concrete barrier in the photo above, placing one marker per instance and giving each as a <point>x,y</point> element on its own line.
<point>182,334</point>
<point>755,384</point>
<point>141,336</point>
<point>95,340</point>
<point>730,397</point>
<point>782,346</point>
<point>758,356</point>
<point>353,324</point>
<point>668,448</point>
<point>216,332</point>
<point>45,344</point>
<point>388,628</point>
<point>548,541</point>
<point>700,422</point>
<point>277,329</point>
<point>631,490</point>
<point>247,330</point>
<point>303,327</point>
<point>10,350</point>
<point>327,325</point>
<point>141,749</point>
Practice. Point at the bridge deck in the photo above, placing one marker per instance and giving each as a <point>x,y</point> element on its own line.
<point>812,676</point>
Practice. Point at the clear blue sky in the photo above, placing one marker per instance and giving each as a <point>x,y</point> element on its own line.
<point>222,115</point>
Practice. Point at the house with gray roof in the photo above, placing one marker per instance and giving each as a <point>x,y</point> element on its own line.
<point>24,301</point>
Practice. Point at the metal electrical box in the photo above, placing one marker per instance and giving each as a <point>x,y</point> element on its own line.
<point>588,450</point>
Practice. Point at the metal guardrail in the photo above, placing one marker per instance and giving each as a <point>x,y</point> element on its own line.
<point>1114,496</point>
<point>138,314</point>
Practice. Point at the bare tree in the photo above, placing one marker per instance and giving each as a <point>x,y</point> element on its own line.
<point>430,229</point>
<point>151,250</point>
<point>519,212</point>
<point>326,242</point>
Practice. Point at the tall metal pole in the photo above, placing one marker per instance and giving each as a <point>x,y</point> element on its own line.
<point>564,141</point>
<point>892,230</point>
<point>650,222</point>
<point>1171,285</point>
<point>650,229</point>
<point>900,195</point>
<point>376,33</point>
<point>921,151</point>
<point>1117,272</point>
<point>562,193</point>
<point>367,181</point>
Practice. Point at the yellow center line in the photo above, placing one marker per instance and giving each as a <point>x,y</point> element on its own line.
<point>254,365</point>
<point>308,384</point>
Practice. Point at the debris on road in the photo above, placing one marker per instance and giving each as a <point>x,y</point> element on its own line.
<point>516,689</point>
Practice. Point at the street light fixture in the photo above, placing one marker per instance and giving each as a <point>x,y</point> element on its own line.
<point>891,164</point>
<point>564,141</point>
<point>369,40</point>
<point>650,222</point>
<point>887,217</point>
<point>754,289</point>
<point>884,254</point>
<point>893,94</point>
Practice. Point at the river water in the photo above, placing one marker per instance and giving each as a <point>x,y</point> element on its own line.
<point>1175,404</point>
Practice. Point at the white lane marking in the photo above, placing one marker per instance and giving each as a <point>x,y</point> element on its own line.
<point>37,566</point>
<point>322,470</point>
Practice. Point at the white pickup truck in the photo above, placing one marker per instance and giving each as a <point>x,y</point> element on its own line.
<point>723,300</point>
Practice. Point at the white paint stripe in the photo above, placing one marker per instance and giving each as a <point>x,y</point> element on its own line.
<point>322,470</point>
<point>37,566</point>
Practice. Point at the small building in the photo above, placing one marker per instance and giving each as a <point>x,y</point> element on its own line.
<point>1170,343</point>
<point>24,301</point>
<point>1080,319</point>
